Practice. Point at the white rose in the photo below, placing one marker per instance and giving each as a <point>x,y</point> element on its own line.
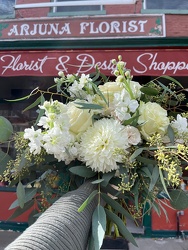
<point>79,119</point>
<point>153,119</point>
<point>133,135</point>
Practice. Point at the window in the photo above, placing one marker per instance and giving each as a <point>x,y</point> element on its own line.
<point>77,10</point>
<point>7,8</point>
<point>165,5</point>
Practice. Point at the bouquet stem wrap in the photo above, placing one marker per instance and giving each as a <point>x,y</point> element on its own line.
<point>61,226</point>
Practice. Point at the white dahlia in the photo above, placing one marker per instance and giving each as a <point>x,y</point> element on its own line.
<point>99,142</point>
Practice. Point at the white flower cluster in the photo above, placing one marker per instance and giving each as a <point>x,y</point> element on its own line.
<point>71,132</point>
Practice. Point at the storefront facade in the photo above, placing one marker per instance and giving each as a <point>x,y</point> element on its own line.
<point>36,43</point>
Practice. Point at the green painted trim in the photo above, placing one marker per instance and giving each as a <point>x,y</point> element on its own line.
<point>15,226</point>
<point>77,13</point>
<point>165,234</point>
<point>161,11</point>
<point>122,43</point>
<point>7,189</point>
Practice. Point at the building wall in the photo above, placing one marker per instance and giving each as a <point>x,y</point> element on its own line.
<point>176,24</point>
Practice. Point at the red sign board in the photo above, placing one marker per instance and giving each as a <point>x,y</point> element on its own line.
<point>96,27</point>
<point>152,62</point>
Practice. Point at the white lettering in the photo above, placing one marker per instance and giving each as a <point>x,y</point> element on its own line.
<point>161,66</point>
<point>15,63</point>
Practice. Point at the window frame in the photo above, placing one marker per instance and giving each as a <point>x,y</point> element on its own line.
<point>7,15</point>
<point>144,10</point>
<point>54,12</point>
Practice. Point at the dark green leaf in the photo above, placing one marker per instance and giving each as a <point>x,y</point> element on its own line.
<point>179,199</point>
<point>115,205</point>
<point>121,226</point>
<point>20,191</point>
<point>146,171</point>
<point>4,159</point>
<point>107,177</point>
<point>171,134</point>
<point>82,171</point>
<point>19,211</point>
<point>172,80</point>
<point>19,99</point>
<point>136,153</point>
<point>132,121</point>
<point>163,181</point>
<point>146,160</point>
<point>6,129</point>
<point>88,201</point>
<point>32,218</point>
<point>41,111</point>
<point>149,91</point>
<point>98,226</point>
<point>154,177</point>
<point>34,104</point>
<point>29,194</point>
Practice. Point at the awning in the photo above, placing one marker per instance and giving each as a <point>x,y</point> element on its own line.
<point>151,62</point>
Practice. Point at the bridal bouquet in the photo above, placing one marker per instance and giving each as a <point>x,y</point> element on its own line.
<point>130,140</point>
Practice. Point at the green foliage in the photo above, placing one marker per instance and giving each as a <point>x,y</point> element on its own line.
<point>121,226</point>
<point>179,199</point>
<point>6,129</point>
<point>88,201</point>
<point>98,226</point>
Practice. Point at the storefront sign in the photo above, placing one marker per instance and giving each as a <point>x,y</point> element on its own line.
<point>153,62</point>
<point>97,27</point>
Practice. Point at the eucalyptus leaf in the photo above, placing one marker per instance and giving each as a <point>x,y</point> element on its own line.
<point>19,211</point>
<point>32,218</point>
<point>29,194</point>
<point>34,104</point>
<point>88,200</point>
<point>171,135</point>
<point>97,181</point>
<point>154,178</point>
<point>172,80</point>
<point>179,199</point>
<point>41,111</point>
<point>107,177</point>
<point>20,191</point>
<point>146,160</point>
<point>136,153</point>
<point>98,226</point>
<point>116,206</point>
<point>82,171</point>
<point>121,226</point>
<point>6,129</point>
<point>4,159</point>
<point>163,182</point>
<point>83,105</point>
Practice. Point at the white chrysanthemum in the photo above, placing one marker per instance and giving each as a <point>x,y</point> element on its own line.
<point>99,142</point>
<point>35,137</point>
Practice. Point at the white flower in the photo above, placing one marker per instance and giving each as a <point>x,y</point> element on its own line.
<point>56,141</point>
<point>180,125</point>
<point>99,142</point>
<point>123,105</point>
<point>133,135</point>
<point>35,137</point>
